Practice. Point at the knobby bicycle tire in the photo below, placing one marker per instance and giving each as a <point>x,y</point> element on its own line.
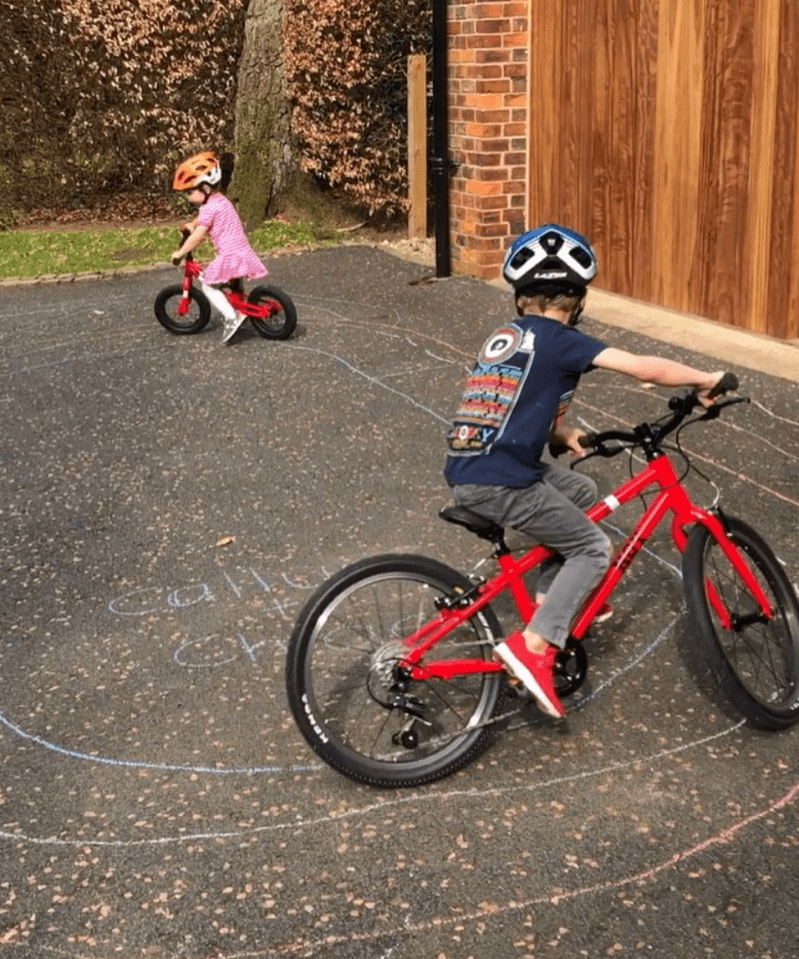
<point>282,323</point>
<point>339,675</point>
<point>166,310</point>
<point>754,665</point>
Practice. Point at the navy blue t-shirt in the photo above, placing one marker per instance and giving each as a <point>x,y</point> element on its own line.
<point>525,376</point>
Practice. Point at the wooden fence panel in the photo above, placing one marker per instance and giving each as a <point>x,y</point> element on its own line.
<point>667,131</point>
<point>721,281</point>
<point>784,292</point>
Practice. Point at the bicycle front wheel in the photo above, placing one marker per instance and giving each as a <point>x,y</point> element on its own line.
<point>342,682</point>
<point>280,315</point>
<point>169,306</point>
<point>751,660</point>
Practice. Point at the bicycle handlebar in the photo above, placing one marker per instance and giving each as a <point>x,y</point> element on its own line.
<point>651,435</point>
<point>185,234</point>
<point>727,384</point>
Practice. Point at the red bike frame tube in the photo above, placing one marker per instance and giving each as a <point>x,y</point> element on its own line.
<point>672,497</point>
<point>660,471</point>
<point>510,578</point>
<point>193,269</point>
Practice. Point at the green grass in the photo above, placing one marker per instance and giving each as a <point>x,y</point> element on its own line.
<point>32,253</point>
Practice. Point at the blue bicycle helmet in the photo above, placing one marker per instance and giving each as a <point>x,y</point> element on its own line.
<point>551,260</point>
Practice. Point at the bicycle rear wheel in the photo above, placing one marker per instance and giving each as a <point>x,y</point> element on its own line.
<point>342,684</point>
<point>281,319</point>
<point>167,310</point>
<point>754,661</point>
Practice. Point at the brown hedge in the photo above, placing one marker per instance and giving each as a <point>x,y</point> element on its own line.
<point>101,96</point>
<point>346,66</point>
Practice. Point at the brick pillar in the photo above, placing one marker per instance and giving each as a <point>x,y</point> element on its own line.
<point>488,69</point>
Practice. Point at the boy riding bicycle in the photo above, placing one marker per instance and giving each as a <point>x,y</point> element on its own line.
<point>514,403</point>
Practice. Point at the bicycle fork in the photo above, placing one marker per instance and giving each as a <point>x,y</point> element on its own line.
<point>190,271</point>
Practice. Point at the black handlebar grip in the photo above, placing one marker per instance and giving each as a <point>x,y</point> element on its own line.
<point>726,384</point>
<point>586,441</point>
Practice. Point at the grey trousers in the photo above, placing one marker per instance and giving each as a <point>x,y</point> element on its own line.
<point>551,512</point>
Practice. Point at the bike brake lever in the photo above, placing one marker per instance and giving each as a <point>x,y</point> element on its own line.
<point>714,411</point>
<point>578,461</point>
<point>558,449</point>
<point>607,452</point>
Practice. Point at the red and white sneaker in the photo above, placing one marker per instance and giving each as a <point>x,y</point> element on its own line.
<point>535,670</point>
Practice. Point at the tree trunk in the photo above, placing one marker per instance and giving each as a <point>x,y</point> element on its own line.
<point>262,132</point>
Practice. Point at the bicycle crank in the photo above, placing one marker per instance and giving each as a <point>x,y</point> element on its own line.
<point>571,667</point>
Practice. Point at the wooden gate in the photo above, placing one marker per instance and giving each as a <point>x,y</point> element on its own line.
<point>667,131</point>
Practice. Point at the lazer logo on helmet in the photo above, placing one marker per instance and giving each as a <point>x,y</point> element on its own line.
<point>552,275</point>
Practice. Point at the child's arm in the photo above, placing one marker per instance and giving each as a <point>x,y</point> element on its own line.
<point>198,234</point>
<point>657,369</point>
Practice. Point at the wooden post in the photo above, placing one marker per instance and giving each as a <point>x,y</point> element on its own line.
<point>417,146</point>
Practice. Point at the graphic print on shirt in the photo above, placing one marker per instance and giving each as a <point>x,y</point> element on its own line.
<point>491,390</point>
<point>563,406</point>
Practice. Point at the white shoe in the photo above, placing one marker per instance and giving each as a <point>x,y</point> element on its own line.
<point>232,325</point>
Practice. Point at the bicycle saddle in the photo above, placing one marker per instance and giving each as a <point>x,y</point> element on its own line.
<point>482,527</point>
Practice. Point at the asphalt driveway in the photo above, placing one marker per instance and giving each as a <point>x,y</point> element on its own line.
<point>167,505</point>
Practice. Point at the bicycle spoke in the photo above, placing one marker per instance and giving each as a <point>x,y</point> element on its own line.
<point>366,705</point>
<point>751,658</point>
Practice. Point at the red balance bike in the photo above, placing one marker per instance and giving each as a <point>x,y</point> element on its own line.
<point>181,308</point>
<point>390,675</point>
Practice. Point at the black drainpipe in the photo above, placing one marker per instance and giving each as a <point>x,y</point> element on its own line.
<point>440,163</point>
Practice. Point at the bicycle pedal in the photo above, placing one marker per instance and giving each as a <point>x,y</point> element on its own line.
<point>518,689</point>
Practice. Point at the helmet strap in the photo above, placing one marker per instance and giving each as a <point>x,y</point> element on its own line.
<point>577,312</point>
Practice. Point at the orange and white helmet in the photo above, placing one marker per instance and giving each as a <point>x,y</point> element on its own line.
<point>198,169</point>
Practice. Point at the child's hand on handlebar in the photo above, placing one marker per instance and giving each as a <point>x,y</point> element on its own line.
<point>190,240</point>
<point>716,385</point>
<point>570,439</point>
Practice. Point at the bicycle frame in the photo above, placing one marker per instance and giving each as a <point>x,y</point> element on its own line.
<point>192,270</point>
<point>672,497</point>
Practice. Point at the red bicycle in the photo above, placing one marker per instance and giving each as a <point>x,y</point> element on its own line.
<point>182,309</point>
<point>390,675</point>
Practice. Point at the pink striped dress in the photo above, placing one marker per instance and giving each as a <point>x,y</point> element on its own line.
<point>235,257</point>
